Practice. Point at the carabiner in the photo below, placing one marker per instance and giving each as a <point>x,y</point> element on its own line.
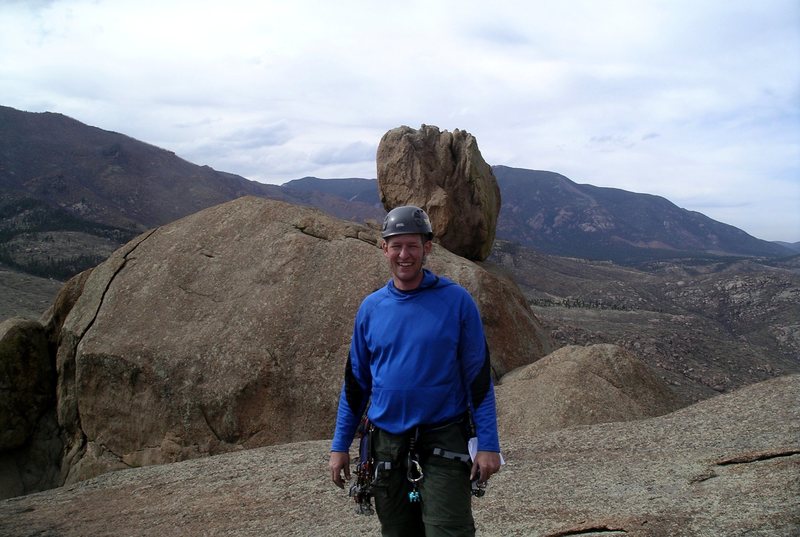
<point>417,468</point>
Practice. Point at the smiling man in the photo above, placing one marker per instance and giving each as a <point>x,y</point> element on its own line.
<point>419,361</point>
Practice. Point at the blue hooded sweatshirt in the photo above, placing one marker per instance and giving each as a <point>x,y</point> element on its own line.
<point>420,357</point>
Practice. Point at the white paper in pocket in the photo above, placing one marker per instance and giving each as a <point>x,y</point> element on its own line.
<point>472,447</point>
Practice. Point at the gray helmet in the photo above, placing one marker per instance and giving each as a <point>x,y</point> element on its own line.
<point>406,220</point>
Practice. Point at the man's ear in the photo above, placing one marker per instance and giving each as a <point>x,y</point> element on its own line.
<point>427,247</point>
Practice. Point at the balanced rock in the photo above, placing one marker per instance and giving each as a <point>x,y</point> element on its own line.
<point>445,174</point>
<point>229,329</point>
<point>581,386</point>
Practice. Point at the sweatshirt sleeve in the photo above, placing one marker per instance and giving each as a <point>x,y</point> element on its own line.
<point>477,373</point>
<point>355,389</point>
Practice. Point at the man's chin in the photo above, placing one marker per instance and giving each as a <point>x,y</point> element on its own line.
<point>407,275</point>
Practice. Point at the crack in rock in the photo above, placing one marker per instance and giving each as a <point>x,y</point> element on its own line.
<point>76,445</point>
<point>705,476</point>
<point>209,296</point>
<point>208,424</point>
<point>756,456</point>
<point>110,281</point>
<point>585,529</point>
<point>118,457</point>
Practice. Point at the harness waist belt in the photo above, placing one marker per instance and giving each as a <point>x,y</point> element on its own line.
<point>463,457</point>
<point>426,427</point>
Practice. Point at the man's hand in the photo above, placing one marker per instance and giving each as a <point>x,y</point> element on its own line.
<point>485,464</point>
<point>340,462</point>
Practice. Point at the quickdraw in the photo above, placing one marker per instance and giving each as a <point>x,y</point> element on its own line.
<point>361,490</point>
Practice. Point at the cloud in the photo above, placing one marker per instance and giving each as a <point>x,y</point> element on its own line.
<point>682,99</point>
<point>256,137</point>
<point>345,154</point>
<point>611,142</point>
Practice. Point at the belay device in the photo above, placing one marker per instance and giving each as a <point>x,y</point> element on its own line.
<point>361,490</point>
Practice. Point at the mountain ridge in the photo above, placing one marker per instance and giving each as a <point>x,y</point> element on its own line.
<point>67,186</point>
<point>609,223</point>
<point>105,176</point>
<point>552,214</point>
<point>72,192</point>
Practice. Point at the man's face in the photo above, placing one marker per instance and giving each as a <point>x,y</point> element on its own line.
<point>406,254</point>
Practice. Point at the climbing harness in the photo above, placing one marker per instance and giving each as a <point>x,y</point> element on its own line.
<point>414,473</point>
<point>361,490</point>
<point>368,471</point>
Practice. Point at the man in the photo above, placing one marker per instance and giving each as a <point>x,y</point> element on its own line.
<point>418,356</point>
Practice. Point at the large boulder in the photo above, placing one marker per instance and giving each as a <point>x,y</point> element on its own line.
<point>29,443</point>
<point>581,386</point>
<point>26,380</point>
<point>445,174</point>
<point>229,329</point>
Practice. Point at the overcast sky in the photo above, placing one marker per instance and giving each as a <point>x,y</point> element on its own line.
<point>694,100</point>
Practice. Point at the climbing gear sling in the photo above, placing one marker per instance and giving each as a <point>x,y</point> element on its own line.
<point>361,490</point>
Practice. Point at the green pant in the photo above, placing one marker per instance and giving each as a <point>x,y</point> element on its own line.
<point>445,506</point>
